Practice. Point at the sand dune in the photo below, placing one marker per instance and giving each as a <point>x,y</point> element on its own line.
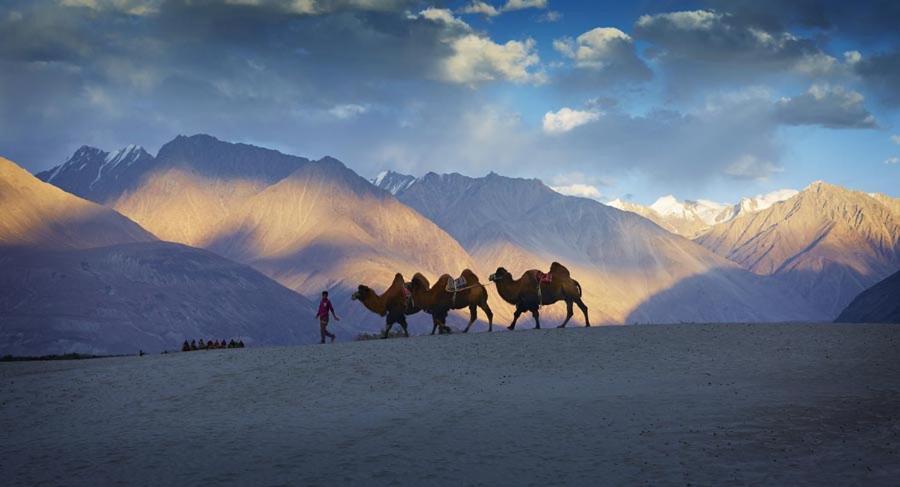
<point>701,404</point>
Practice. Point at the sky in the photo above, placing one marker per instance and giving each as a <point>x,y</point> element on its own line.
<point>712,99</point>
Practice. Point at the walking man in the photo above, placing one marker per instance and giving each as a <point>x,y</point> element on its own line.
<point>324,308</point>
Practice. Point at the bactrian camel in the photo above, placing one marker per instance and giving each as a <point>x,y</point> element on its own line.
<point>530,291</point>
<point>437,300</point>
<point>394,304</point>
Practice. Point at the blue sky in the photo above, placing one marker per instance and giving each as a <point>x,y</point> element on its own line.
<point>709,99</point>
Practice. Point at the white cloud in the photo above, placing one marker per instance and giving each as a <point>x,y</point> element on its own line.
<point>477,59</point>
<point>893,160</point>
<point>852,57</point>
<point>347,111</point>
<point>550,16</point>
<point>483,8</point>
<point>689,20</point>
<point>596,47</point>
<point>816,64</point>
<point>133,7</point>
<point>486,9</point>
<point>577,183</point>
<point>443,15</point>
<point>567,119</point>
<point>318,7</point>
<point>578,189</point>
<point>895,139</point>
<point>523,4</point>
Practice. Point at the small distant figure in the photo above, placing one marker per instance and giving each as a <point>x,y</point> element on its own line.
<point>325,307</point>
<point>185,347</point>
<point>194,344</point>
<point>240,344</point>
<point>202,345</point>
<point>140,353</point>
<point>231,343</point>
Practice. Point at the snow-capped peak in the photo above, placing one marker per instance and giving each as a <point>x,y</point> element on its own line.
<point>762,201</point>
<point>393,182</point>
<point>667,205</point>
<point>616,203</point>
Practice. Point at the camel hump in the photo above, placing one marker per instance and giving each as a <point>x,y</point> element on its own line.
<point>470,276</point>
<point>558,269</point>
<point>398,279</point>
<point>421,279</point>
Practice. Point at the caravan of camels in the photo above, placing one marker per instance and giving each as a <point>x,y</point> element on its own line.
<point>527,293</point>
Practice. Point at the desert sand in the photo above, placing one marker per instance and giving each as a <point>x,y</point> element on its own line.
<point>680,404</point>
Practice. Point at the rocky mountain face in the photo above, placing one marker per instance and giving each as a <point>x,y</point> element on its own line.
<point>97,175</point>
<point>878,304</point>
<point>693,218</point>
<point>393,182</point>
<point>79,277</point>
<point>827,242</point>
<point>630,269</point>
<point>325,227</point>
<point>183,193</point>
<point>36,214</point>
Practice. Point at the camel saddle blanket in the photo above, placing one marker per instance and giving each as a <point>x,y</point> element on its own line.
<point>454,285</point>
<point>544,278</point>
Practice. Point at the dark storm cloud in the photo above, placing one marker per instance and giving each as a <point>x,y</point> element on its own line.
<point>881,74</point>
<point>827,106</point>
<point>701,48</point>
<point>102,75</point>
<point>864,19</point>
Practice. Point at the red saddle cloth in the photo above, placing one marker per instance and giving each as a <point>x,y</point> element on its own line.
<point>544,278</point>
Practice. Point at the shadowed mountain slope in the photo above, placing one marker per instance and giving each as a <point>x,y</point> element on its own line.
<point>878,304</point>
<point>79,277</point>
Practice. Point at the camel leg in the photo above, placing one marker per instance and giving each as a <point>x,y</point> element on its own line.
<point>490,315</point>
<point>403,324</point>
<point>434,325</point>
<point>583,307</point>
<point>537,318</point>
<point>473,315</point>
<point>387,329</point>
<point>444,328</point>
<point>569,314</point>
<point>512,326</point>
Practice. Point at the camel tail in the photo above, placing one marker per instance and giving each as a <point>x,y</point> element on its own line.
<point>578,286</point>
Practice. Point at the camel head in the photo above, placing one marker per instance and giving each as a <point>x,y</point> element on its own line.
<point>362,292</point>
<point>500,274</point>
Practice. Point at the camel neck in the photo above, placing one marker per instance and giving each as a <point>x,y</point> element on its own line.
<point>506,289</point>
<point>375,304</point>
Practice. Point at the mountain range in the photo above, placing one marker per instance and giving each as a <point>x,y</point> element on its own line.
<point>693,218</point>
<point>309,225</point>
<point>631,270</point>
<point>827,242</point>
